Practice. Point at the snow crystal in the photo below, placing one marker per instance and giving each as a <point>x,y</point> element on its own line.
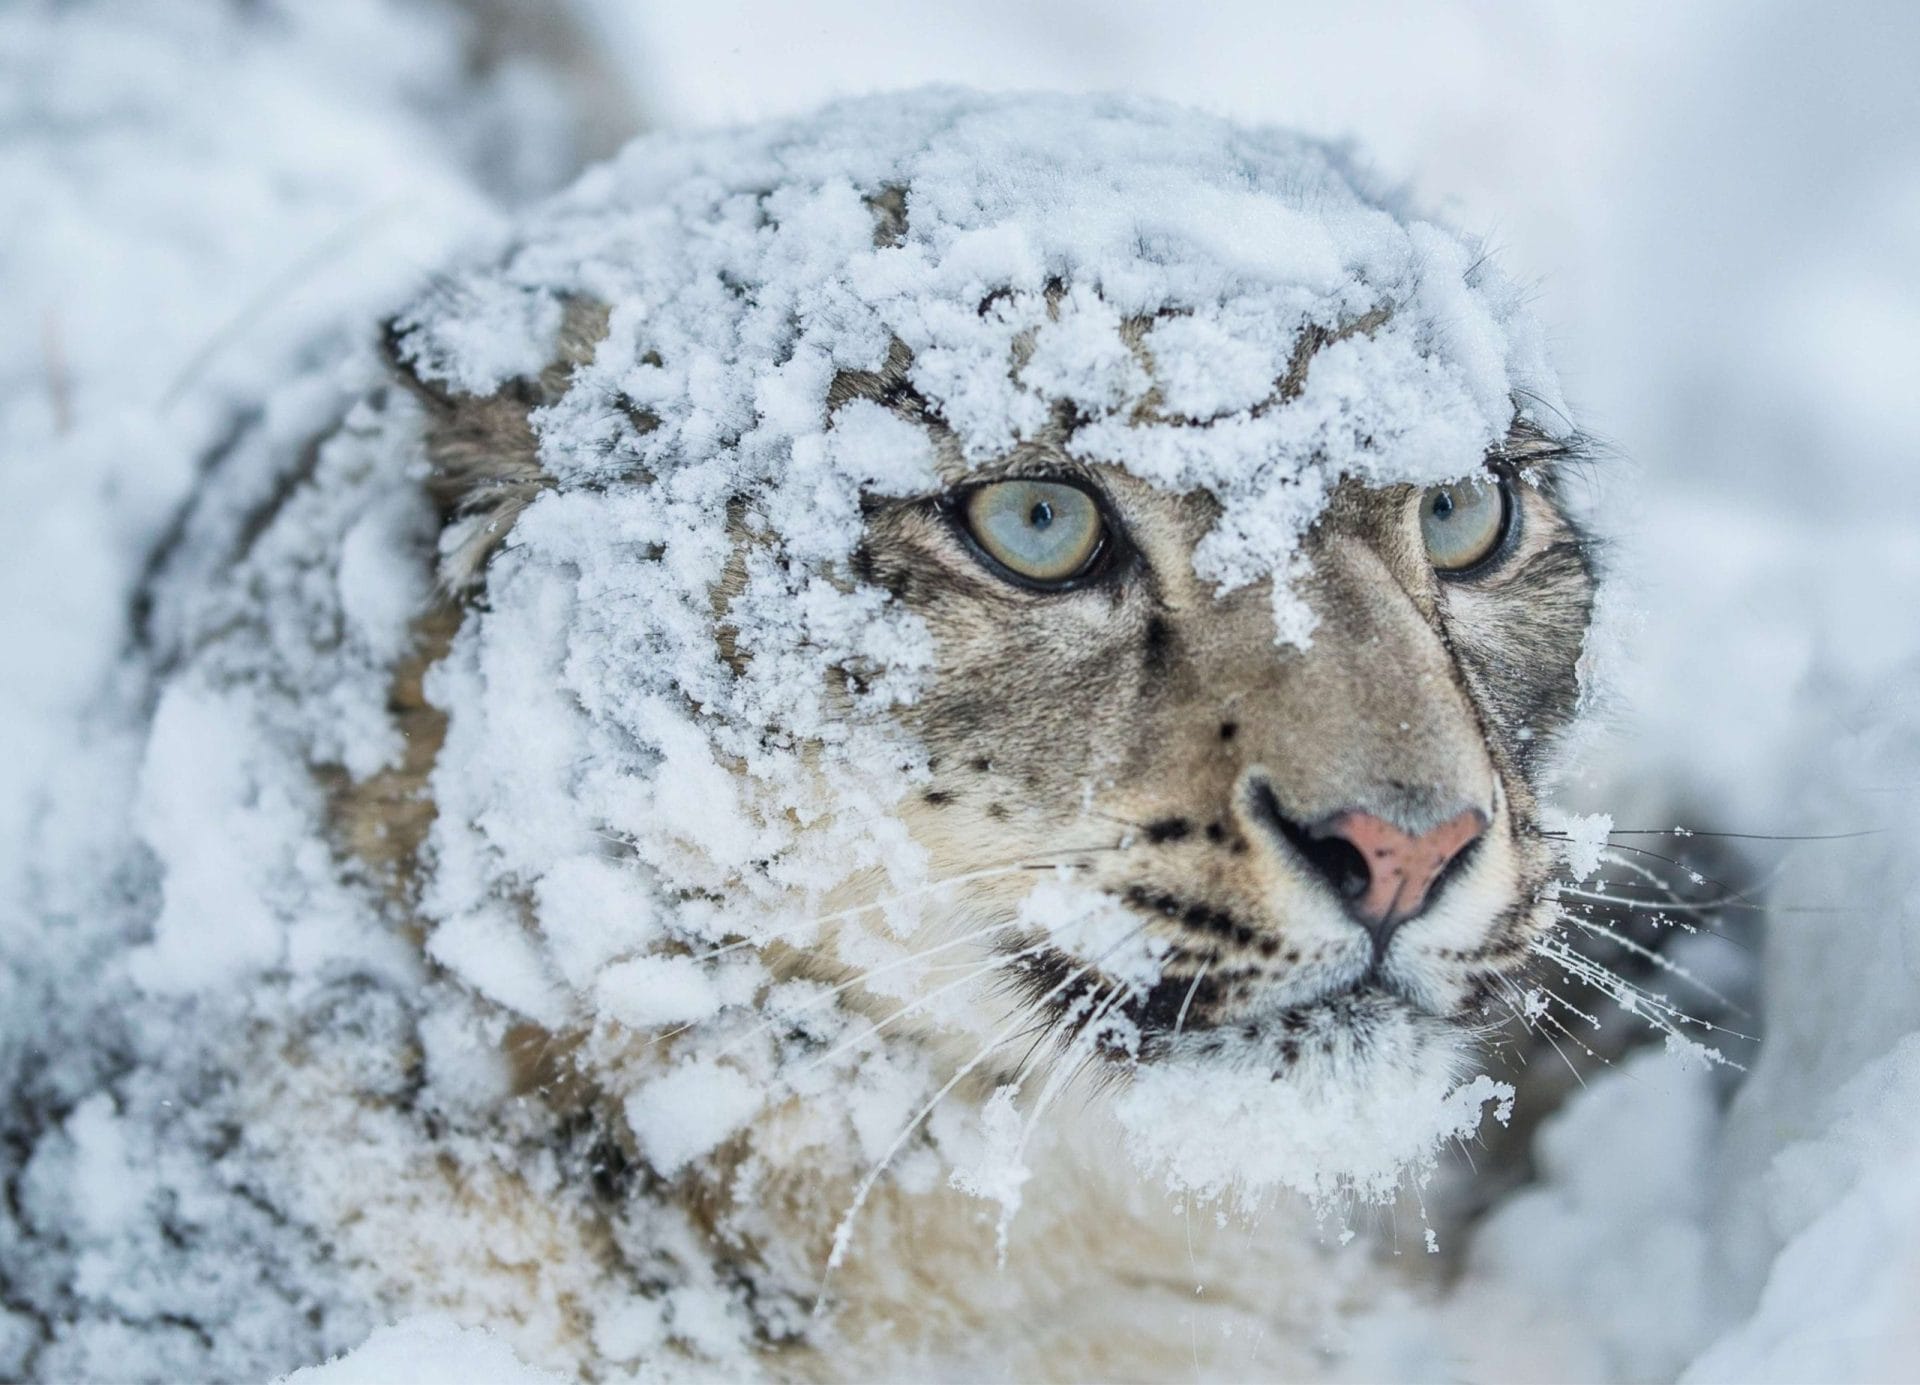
<point>101,1186</point>
<point>1584,838</point>
<point>492,952</point>
<point>631,1331</point>
<point>463,1061</point>
<point>382,588</point>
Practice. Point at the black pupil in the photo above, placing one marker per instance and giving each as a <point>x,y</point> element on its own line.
<point>1442,505</point>
<point>1041,515</point>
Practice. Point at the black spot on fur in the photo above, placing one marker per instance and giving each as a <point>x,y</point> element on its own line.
<point>997,811</point>
<point>1159,1010</point>
<point>1216,921</point>
<point>939,798</point>
<point>610,1170</point>
<point>1169,830</point>
<point>982,765</point>
<point>1157,646</point>
<point>891,576</point>
<point>1054,979</point>
<point>900,391</point>
<point>1216,833</point>
<point>1204,917</point>
<point>1229,729</point>
<point>1479,997</point>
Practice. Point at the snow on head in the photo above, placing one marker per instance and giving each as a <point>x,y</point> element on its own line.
<point>1214,308</point>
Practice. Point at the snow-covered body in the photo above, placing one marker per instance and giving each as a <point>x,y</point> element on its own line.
<point>645,888</point>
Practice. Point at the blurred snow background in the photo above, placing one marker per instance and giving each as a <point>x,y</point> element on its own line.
<point>1719,202</point>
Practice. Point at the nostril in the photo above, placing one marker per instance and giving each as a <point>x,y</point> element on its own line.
<point>1343,864</point>
<point>1338,861</point>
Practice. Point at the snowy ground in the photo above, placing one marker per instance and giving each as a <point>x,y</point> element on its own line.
<point>1719,203</point>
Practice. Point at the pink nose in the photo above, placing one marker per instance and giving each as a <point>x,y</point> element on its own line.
<point>1400,868</point>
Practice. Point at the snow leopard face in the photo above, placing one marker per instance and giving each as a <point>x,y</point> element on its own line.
<point>1328,850</point>
<point>1332,850</point>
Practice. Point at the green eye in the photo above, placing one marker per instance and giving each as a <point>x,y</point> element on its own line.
<point>1464,523</point>
<point>1046,532</point>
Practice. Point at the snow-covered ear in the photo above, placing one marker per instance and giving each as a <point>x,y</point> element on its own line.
<point>482,451</point>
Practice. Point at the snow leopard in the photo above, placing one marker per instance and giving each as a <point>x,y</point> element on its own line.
<point>785,769</point>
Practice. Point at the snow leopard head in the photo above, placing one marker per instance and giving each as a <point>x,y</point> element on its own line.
<point>1028,602</point>
<point>1326,847</point>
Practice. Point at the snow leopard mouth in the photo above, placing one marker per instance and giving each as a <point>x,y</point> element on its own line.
<point>1344,1029</point>
<point>1221,1013</point>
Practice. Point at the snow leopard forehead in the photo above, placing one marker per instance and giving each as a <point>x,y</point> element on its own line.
<point>1156,276</point>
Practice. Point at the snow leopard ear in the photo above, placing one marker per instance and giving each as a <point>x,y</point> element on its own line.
<point>483,456</point>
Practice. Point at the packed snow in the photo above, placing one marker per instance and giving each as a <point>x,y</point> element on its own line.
<point>190,286</point>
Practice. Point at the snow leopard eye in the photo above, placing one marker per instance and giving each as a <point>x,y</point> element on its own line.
<point>1464,524</point>
<point>1044,533</point>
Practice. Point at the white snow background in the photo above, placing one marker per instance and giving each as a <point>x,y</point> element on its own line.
<point>1719,205</point>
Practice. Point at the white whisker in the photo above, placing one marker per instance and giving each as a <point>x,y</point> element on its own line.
<point>834,992</point>
<point>1657,1010</point>
<point>1658,907</point>
<point>843,1234</point>
<point>1089,1038</point>
<point>1657,959</point>
<point>993,964</point>
<point>1043,861</point>
<point>1180,1020</point>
